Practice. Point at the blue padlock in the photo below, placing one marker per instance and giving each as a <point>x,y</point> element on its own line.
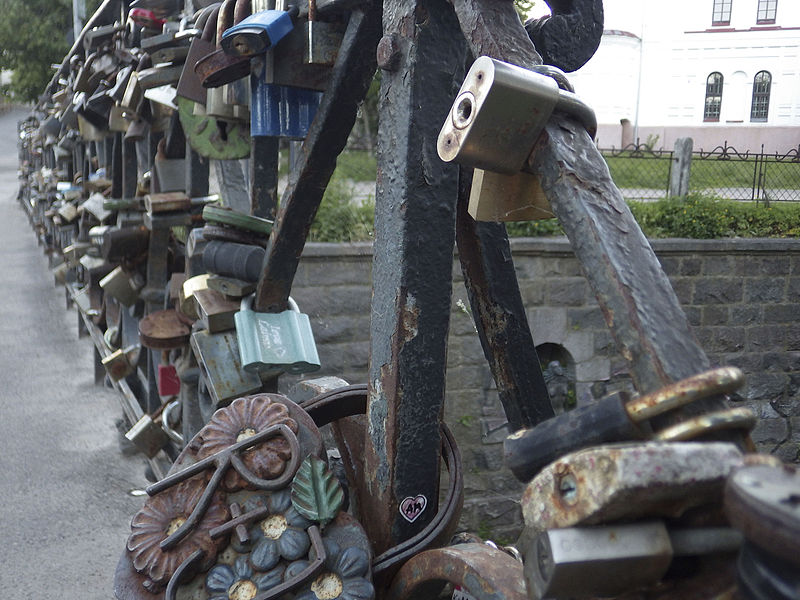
<point>259,32</point>
<point>280,110</point>
<point>275,341</point>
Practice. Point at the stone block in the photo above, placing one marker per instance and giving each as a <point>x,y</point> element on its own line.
<point>548,324</point>
<point>782,313</point>
<point>775,265</point>
<point>761,338</point>
<point>793,337</point>
<point>717,265</point>
<point>747,266</point>
<point>747,362</point>
<point>717,290</point>
<point>746,314</point>
<point>793,289</point>
<point>583,319</point>
<point>498,511</point>
<point>336,358</point>
<point>684,289</point>
<point>569,267</point>
<point>721,339</point>
<point>694,314</point>
<point>765,290</point>
<point>340,329</point>
<point>580,344</point>
<point>770,431</point>
<point>348,271</point>
<point>788,452</point>
<point>568,291</point>
<point>532,292</point>
<point>690,266</point>
<point>594,369</point>
<point>766,386</point>
<point>467,377</point>
<point>670,265</point>
<point>466,350</point>
<point>604,343</point>
<point>715,315</point>
<point>350,300</point>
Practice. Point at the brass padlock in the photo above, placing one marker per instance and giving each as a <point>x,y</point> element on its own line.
<point>322,39</point>
<point>117,120</point>
<point>121,363</point>
<point>215,310</point>
<point>121,286</point>
<point>132,98</point>
<point>147,436</point>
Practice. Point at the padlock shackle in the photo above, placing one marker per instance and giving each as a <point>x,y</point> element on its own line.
<point>204,15</point>
<point>210,27</point>
<point>247,303</point>
<point>224,20</point>
<point>243,9</point>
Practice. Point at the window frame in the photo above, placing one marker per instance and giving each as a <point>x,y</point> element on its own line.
<point>767,12</point>
<point>719,9</point>
<point>713,90</point>
<point>759,100</point>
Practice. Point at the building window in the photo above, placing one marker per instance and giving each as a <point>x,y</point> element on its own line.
<point>722,12</point>
<point>713,97</point>
<point>762,82</point>
<point>767,9</point>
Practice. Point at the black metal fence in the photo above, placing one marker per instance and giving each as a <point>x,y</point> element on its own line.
<point>643,173</point>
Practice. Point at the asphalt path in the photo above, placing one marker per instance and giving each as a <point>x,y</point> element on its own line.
<point>67,493</point>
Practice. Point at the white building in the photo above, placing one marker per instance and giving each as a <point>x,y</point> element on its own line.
<point>714,70</point>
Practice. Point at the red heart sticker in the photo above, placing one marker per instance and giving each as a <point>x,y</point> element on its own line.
<point>411,508</point>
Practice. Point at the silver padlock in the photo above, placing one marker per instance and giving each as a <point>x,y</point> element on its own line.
<point>586,562</point>
<point>499,113</point>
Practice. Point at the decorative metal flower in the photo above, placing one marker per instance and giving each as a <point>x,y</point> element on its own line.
<point>239,582</point>
<point>244,418</point>
<point>160,516</point>
<point>343,577</point>
<point>281,534</point>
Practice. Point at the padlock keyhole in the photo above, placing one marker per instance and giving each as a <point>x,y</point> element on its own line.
<point>464,110</point>
<point>223,129</point>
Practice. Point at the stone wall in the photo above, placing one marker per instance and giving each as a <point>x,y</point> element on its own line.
<point>741,296</point>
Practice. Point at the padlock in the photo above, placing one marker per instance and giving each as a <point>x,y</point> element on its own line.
<point>147,436</point>
<point>186,303</point>
<point>281,111</point>
<point>611,419</point>
<point>167,202</point>
<point>493,124</point>
<point>217,106</point>
<point>217,355</point>
<point>121,363</point>
<point>195,246</point>
<point>68,212</point>
<point>228,259</point>
<point>231,287</point>
<point>258,32</point>
<point>81,83</point>
<point>216,312</point>
<point>270,342</point>
<point>124,243</point>
<point>222,215</point>
<point>628,481</point>
<point>117,120</point>
<point>117,91</point>
<point>189,85</point>
<point>498,115</point>
<point>146,19</point>
<point>131,102</point>
<point>169,384</point>
<point>121,286</point>
<point>322,39</point>
<point>163,330</point>
<point>587,562</point>
<point>500,197</point>
<point>97,36</point>
<point>237,94</point>
<point>218,68</point>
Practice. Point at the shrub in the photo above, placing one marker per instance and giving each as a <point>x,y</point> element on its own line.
<point>705,217</point>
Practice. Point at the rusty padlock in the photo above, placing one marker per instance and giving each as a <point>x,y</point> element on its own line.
<point>218,68</point>
<point>189,84</point>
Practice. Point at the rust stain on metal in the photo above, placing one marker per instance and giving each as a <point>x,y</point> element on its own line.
<point>602,484</point>
<point>484,572</point>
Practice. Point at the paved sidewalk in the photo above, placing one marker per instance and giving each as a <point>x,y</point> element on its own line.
<point>65,486</point>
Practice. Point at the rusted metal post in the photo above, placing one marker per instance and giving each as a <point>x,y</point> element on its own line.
<point>352,74</point>
<point>263,176</point>
<point>422,55</point>
<point>499,314</point>
<point>639,304</point>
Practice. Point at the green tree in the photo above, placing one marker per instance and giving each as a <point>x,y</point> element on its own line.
<point>33,36</point>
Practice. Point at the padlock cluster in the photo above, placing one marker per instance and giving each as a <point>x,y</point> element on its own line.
<point>132,178</point>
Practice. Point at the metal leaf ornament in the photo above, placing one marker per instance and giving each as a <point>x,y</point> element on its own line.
<point>316,493</point>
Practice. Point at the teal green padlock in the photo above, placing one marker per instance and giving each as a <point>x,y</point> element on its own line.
<point>270,341</point>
